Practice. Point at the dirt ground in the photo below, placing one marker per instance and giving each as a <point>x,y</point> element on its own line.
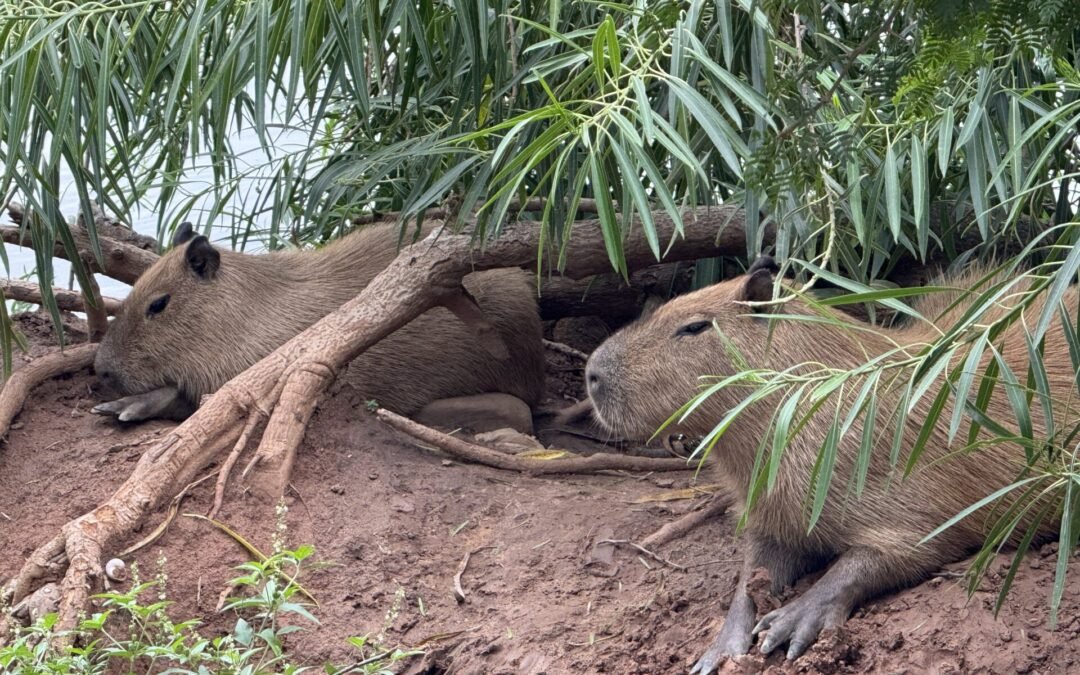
<point>397,520</point>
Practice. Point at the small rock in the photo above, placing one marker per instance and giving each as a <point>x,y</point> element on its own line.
<point>447,462</point>
<point>584,333</point>
<point>16,426</point>
<point>896,641</point>
<point>509,441</point>
<point>401,506</point>
<point>664,483</point>
<point>337,489</point>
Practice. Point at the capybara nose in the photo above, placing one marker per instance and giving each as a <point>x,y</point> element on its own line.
<point>593,382</point>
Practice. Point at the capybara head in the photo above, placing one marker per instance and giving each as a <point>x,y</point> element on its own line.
<point>645,372</point>
<point>173,311</point>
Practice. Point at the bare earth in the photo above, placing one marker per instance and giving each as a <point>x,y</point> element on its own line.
<point>396,520</point>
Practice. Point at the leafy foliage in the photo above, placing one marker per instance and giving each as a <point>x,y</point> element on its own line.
<point>874,135</point>
<point>140,637</point>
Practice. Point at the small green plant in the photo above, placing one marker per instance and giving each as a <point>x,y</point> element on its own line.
<point>141,638</point>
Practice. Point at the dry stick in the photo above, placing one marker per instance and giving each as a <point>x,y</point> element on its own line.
<point>170,516</point>
<point>642,549</point>
<point>566,350</point>
<point>677,528</point>
<point>459,592</point>
<point>415,282</point>
<point>18,387</point>
<point>478,454</point>
<point>69,301</point>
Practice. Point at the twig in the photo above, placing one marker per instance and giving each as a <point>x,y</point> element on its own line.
<point>250,548</point>
<point>459,592</point>
<point>720,503</point>
<point>170,515</point>
<point>566,350</point>
<point>642,549</point>
<point>471,452</point>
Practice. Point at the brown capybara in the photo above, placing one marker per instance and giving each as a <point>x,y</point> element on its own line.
<point>644,373</point>
<point>200,316</point>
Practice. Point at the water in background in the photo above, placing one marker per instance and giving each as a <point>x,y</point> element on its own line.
<point>249,155</point>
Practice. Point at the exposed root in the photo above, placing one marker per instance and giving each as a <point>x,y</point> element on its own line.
<point>69,301</point>
<point>230,461</point>
<point>715,507</point>
<point>464,307</point>
<point>277,452</point>
<point>18,387</point>
<point>478,454</point>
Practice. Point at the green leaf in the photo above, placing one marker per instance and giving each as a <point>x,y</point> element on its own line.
<point>892,191</point>
<point>920,194</point>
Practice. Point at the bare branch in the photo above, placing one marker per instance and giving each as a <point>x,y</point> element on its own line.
<point>69,301</point>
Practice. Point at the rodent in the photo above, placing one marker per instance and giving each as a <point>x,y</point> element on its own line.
<point>200,316</point>
<point>645,372</point>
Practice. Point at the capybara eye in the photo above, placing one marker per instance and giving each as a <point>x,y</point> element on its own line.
<point>157,305</point>
<point>693,328</point>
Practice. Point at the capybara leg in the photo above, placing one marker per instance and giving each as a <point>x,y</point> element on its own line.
<point>478,413</point>
<point>163,403</point>
<point>736,635</point>
<point>856,575</point>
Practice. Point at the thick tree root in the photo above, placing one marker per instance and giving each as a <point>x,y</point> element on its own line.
<point>18,387</point>
<point>288,383</point>
<point>676,529</point>
<point>478,454</point>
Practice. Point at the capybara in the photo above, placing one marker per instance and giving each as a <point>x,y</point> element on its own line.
<point>870,543</point>
<point>200,316</point>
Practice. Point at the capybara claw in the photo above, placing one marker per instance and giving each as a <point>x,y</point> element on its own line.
<point>797,625</point>
<point>109,408</point>
<point>165,402</point>
<point>723,646</point>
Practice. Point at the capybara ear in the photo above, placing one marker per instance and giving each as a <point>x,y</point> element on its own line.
<point>203,259</point>
<point>759,285</point>
<point>764,262</point>
<point>184,233</point>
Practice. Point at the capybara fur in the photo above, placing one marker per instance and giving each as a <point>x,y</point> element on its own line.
<point>200,316</point>
<point>645,372</point>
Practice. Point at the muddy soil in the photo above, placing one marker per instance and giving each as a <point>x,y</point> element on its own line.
<point>396,521</point>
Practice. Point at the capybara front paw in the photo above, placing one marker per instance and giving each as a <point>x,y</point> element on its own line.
<point>798,624</point>
<point>726,644</point>
<point>166,403</point>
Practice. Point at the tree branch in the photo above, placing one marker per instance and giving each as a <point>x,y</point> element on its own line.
<point>69,301</point>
